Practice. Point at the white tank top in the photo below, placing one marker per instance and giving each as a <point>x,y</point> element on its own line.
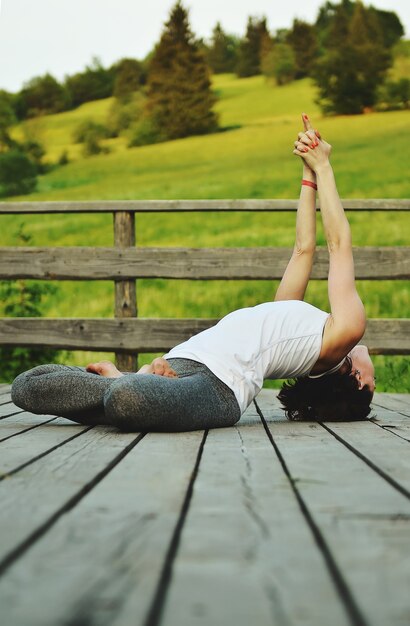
<point>271,340</point>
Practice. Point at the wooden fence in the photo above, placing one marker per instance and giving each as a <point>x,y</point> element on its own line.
<point>127,335</point>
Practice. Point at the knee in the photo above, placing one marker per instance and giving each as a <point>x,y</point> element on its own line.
<point>25,386</point>
<point>122,404</point>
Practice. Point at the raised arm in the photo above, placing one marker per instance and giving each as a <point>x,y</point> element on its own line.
<point>296,276</point>
<point>347,321</point>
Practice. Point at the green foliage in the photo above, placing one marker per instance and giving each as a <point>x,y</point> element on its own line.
<point>252,48</point>
<point>303,39</point>
<point>63,159</point>
<point>125,113</point>
<point>394,95</point>
<point>17,174</point>
<point>280,64</point>
<point>94,83</point>
<point>222,54</point>
<point>180,98</point>
<point>42,94</point>
<point>22,298</point>
<point>129,78</point>
<point>90,134</point>
<point>145,131</point>
<point>355,61</point>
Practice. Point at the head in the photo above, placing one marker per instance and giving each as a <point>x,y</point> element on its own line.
<point>342,396</point>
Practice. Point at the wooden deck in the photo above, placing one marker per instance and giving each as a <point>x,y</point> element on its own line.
<point>269,522</point>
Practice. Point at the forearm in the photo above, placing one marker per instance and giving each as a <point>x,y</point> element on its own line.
<point>335,223</point>
<point>305,240</point>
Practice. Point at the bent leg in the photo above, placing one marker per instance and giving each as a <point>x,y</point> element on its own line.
<point>146,402</point>
<point>64,390</point>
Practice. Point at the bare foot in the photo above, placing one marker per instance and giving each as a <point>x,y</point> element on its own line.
<point>104,368</point>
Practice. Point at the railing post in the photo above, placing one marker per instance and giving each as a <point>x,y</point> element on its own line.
<point>125,290</point>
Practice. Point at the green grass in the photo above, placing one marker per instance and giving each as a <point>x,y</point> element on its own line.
<point>252,160</point>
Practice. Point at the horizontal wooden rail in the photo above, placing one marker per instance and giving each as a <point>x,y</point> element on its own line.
<point>387,336</point>
<point>372,263</point>
<point>178,206</point>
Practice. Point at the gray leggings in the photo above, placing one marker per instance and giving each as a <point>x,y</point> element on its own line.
<point>196,400</point>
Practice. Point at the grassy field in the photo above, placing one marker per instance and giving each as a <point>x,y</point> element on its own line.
<point>252,158</point>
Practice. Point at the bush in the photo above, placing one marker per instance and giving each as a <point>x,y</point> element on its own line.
<point>90,134</point>
<point>88,127</point>
<point>63,158</point>
<point>394,95</point>
<point>18,174</point>
<point>122,115</point>
<point>20,298</point>
<point>145,132</point>
<point>280,64</point>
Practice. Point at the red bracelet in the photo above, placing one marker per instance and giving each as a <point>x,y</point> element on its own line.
<point>309,183</point>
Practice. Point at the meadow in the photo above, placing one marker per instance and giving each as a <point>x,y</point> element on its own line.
<point>251,158</point>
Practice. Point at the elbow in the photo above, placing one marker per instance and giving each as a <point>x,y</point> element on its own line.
<point>304,249</point>
<point>342,240</point>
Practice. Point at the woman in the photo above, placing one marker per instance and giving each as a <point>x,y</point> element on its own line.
<point>209,380</point>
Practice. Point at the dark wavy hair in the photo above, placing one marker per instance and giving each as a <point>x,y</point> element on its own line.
<point>335,397</point>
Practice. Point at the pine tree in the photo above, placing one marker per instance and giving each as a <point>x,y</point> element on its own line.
<point>354,61</point>
<point>252,48</point>
<point>303,41</point>
<point>179,96</point>
<point>223,53</point>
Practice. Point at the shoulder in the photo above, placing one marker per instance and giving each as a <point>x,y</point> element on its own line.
<point>339,337</point>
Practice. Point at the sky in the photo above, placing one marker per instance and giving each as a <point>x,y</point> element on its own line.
<point>62,36</point>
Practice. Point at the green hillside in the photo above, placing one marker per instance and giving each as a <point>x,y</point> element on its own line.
<point>252,158</point>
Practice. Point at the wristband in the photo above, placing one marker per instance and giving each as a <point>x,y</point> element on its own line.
<point>309,183</point>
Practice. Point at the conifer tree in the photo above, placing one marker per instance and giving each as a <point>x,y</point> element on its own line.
<point>179,95</point>
<point>354,61</point>
<point>302,39</point>
<point>253,47</point>
<point>223,53</point>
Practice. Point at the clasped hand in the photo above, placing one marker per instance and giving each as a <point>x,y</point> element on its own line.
<point>310,146</point>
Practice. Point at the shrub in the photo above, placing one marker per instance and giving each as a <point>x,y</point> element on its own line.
<point>20,298</point>
<point>394,95</point>
<point>145,132</point>
<point>17,174</point>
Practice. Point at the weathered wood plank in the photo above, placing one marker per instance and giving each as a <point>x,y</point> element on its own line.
<point>163,206</point>
<point>389,454</point>
<point>9,409</point>
<point>397,402</point>
<point>362,519</point>
<point>104,557</point>
<point>383,336</point>
<point>80,263</point>
<point>239,559</point>
<point>21,422</point>
<point>5,398</point>
<point>35,441</point>
<point>33,497</point>
<point>4,388</point>
<point>395,421</point>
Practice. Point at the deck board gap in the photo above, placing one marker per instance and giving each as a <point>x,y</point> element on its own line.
<point>155,611</point>
<point>347,598</point>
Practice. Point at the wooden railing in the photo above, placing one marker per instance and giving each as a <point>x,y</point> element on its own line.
<point>127,335</point>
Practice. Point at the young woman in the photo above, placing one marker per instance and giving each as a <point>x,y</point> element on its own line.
<point>209,380</point>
